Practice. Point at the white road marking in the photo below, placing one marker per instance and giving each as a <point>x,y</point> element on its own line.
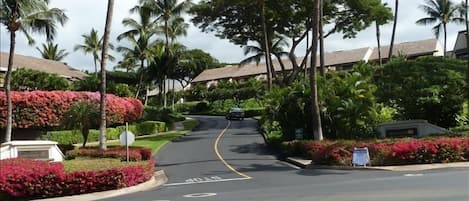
<point>413,175</point>
<point>199,195</point>
<point>209,181</point>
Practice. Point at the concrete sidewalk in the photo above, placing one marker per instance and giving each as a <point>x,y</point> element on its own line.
<point>302,163</point>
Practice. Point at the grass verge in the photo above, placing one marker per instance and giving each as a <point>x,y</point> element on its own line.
<point>96,164</point>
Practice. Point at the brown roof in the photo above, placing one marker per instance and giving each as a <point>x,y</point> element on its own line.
<point>216,74</point>
<point>45,65</point>
<point>415,48</point>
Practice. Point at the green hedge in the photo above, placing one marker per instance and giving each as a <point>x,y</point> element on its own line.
<point>74,136</point>
<point>252,112</point>
<point>150,127</point>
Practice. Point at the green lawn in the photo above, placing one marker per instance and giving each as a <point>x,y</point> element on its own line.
<point>82,163</point>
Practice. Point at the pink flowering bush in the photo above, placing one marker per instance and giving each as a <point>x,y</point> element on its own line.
<point>26,179</point>
<point>384,152</point>
<point>39,109</point>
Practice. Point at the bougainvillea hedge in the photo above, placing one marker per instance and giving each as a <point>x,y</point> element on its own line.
<point>43,109</point>
<point>135,153</point>
<point>384,152</point>
<point>26,179</point>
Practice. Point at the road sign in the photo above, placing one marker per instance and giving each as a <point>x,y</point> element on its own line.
<point>299,134</point>
<point>360,156</point>
<point>128,137</point>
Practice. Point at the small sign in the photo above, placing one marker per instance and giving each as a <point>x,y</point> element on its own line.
<point>127,136</point>
<point>360,156</point>
<point>34,154</point>
<point>299,134</point>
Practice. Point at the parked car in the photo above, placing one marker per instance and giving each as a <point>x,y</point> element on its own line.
<point>235,113</point>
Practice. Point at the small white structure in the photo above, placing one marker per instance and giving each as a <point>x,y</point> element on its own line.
<point>39,150</point>
<point>416,128</point>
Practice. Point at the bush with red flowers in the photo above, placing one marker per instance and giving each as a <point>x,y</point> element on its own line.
<point>26,179</point>
<point>43,109</point>
<point>135,153</point>
<point>384,152</point>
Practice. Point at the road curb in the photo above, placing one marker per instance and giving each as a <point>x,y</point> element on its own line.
<point>157,180</point>
<point>306,164</point>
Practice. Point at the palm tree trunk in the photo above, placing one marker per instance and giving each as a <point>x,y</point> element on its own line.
<point>396,10</point>
<point>85,132</point>
<point>140,83</point>
<point>164,93</point>
<point>95,58</point>
<point>444,46</point>
<point>266,45</point>
<point>467,48</point>
<point>166,34</point>
<point>307,47</point>
<point>321,40</point>
<point>317,129</point>
<point>378,35</point>
<point>102,108</point>
<point>7,86</point>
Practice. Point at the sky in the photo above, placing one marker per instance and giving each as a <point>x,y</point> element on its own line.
<point>86,14</point>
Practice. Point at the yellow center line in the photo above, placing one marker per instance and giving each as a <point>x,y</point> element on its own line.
<point>221,158</point>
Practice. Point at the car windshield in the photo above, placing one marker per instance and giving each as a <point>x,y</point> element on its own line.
<point>236,110</point>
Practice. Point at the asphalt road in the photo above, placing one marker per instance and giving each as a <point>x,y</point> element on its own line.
<point>227,161</point>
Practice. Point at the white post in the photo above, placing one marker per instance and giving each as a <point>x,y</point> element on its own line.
<point>126,140</point>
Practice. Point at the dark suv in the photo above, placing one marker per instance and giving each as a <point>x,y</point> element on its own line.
<point>235,113</point>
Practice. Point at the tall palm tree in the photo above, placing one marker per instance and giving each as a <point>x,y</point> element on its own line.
<point>441,12</point>
<point>165,10</point>
<point>258,51</point>
<point>140,35</point>
<point>26,16</point>
<point>394,26</point>
<point>128,63</point>
<point>104,56</point>
<point>381,17</point>
<point>317,128</point>
<point>177,28</point>
<point>51,51</point>
<point>93,44</point>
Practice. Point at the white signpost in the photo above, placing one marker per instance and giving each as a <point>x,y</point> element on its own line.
<point>360,156</point>
<point>127,138</point>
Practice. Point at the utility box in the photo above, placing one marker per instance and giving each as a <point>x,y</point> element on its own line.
<point>409,128</point>
<point>38,150</point>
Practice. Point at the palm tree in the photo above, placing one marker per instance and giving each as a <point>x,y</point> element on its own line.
<point>81,116</point>
<point>104,55</point>
<point>51,51</point>
<point>165,10</point>
<point>443,12</point>
<point>128,63</point>
<point>93,44</point>
<point>177,28</point>
<point>317,128</point>
<point>258,51</point>
<point>382,17</point>
<point>26,16</point>
<point>396,10</point>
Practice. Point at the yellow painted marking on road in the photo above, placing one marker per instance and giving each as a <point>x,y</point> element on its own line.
<point>217,141</point>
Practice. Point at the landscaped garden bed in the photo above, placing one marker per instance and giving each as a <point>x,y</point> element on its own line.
<point>383,152</point>
<point>27,179</point>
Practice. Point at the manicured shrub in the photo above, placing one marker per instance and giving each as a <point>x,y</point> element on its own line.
<point>150,127</point>
<point>27,179</point>
<point>383,152</point>
<point>74,136</point>
<point>135,153</point>
<point>45,109</point>
<point>253,112</point>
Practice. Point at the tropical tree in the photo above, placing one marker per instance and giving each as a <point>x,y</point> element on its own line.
<point>128,63</point>
<point>442,12</point>
<point>394,26</point>
<point>316,115</point>
<point>81,116</point>
<point>192,63</point>
<point>26,16</point>
<point>93,44</point>
<point>104,56</point>
<point>177,28</point>
<point>259,52</point>
<point>51,51</point>
<point>382,16</point>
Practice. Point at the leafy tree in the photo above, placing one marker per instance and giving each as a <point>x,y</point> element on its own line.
<point>51,51</point>
<point>93,44</point>
<point>192,63</point>
<point>240,21</point>
<point>427,88</point>
<point>82,116</point>
<point>102,91</point>
<point>441,12</point>
<point>26,16</point>
<point>26,79</point>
